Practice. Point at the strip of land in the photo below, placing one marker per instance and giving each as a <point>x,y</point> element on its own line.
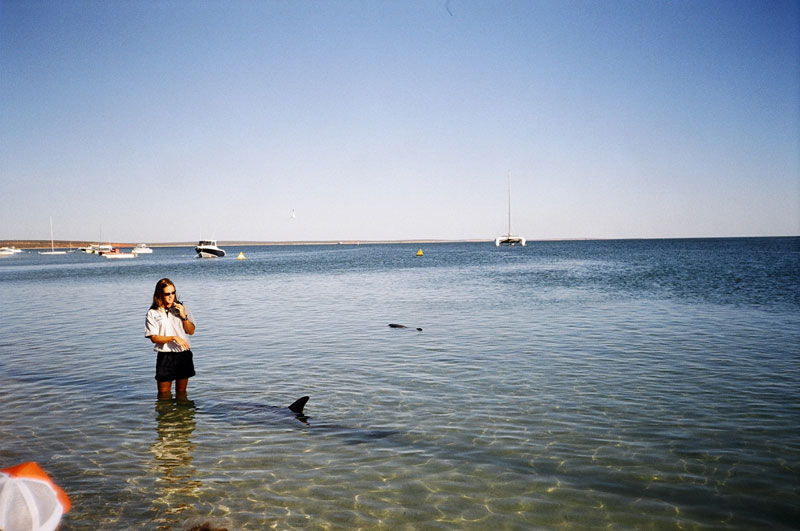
<point>63,244</point>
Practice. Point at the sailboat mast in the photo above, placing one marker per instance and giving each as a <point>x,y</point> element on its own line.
<point>509,203</point>
<point>52,245</point>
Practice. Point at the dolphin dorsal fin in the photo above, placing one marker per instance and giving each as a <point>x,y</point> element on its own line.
<point>298,405</point>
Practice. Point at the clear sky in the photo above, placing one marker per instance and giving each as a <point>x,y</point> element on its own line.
<point>158,121</point>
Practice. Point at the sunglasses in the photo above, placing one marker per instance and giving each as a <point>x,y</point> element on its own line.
<point>168,294</point>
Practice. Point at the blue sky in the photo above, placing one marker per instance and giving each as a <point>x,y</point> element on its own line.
<point>331,120</point>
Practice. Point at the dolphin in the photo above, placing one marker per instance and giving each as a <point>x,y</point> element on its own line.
<point>250,411</point>
<point>395,325</point>
<point>297,406</point>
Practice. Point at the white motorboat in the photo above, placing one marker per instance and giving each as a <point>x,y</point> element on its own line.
<point>96,248</point>
<point>9,250</point>
<point>115,253</point>
<point>509,239</point>
<point>208,249</point>
<point>142,248</point>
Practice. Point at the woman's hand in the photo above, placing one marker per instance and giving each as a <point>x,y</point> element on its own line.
<point>181,310</point>
<point>181,342</point>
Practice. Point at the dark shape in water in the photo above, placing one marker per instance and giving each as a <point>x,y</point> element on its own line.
<point>249,411</point>
<point>395,325</point>
<point>298,405</point>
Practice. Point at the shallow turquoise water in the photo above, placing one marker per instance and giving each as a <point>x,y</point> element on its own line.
<point>624,384</point>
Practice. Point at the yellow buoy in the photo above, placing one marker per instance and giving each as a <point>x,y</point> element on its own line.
<point>419,253</point>
<point>241,256</point>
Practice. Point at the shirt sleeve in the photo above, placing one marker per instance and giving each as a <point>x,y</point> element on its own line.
<point>150,324</point>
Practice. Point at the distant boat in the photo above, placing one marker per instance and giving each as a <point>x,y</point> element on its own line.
<point>96,248</point>
<point>52,246</point>
<point>208,249</point>
<point>142,248</point>
<point>9,250</point>
<point>509,239</point>
<point>115,253</point>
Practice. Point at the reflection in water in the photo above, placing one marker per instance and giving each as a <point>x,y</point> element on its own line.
<point>176,490</point>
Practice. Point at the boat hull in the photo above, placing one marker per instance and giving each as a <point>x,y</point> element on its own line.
<point>95,249</point>
<point>510,240</point>
<point>208,249</point>
<point>206,252</point>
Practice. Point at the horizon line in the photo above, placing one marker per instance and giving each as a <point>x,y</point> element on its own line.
<point>41,243</point>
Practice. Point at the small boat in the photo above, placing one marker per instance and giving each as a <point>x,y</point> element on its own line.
<point>52,246</point>
<point>9,250</point>
<point>96,248</point>
<point>509,239</point>
<point>115,253</point>
<point>142,248</point>
<point>208,249</point>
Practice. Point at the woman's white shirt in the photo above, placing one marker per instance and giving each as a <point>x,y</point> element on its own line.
<point>160,322</point>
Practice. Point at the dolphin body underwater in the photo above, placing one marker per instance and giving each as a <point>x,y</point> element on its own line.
<point>258,414</point>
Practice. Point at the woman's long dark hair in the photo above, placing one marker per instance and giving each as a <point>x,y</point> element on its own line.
<point>158,295</point>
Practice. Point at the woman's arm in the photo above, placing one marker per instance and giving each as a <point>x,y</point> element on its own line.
<point>188,326</point>
<point>162,340</point>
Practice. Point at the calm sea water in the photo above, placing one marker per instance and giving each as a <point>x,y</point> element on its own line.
<point>618,384</point>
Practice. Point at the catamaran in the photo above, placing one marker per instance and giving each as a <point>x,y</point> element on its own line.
<point>509,239</point>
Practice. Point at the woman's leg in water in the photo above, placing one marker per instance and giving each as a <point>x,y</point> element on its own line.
<point>180,387</point>
<point>164,390</point>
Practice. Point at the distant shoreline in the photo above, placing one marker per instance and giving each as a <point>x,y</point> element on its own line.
<point>66,244</point>
<point>62,244</point>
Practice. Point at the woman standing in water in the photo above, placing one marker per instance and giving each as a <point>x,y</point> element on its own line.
<point>168,325</point>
